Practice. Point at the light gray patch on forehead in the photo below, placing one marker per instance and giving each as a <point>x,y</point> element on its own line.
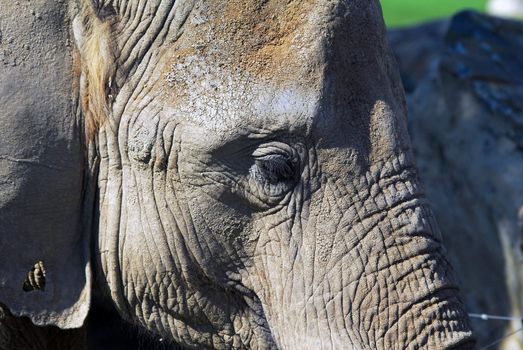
<point>212,98</point>
<point>296,105</point>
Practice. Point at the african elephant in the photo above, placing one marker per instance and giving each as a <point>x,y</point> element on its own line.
<point>231,174</point>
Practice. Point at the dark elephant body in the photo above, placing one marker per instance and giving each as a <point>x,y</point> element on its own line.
<point>466,121</point>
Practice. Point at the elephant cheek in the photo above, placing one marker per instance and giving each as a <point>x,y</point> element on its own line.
<point>366,270</point>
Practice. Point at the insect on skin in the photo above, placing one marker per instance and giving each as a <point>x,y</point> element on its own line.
<point>35,279</point>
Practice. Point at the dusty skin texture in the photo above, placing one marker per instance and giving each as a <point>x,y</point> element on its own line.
<point>41,165</point>
<point>255,186</point>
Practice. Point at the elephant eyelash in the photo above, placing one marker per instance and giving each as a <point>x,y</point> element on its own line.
<point>274,174</point>
<point>276,168</point>
<point>275,163</point>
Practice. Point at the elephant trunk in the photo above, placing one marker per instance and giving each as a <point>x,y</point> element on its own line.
<point>369,273</point>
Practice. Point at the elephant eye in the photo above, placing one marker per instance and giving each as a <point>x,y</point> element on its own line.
<point>275,168</point>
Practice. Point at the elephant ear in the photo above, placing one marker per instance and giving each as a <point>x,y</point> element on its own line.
<point>44,257</point>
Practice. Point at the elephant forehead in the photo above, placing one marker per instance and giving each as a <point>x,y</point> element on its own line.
<point>260,65</point>
<point>222,103</point>
<point>243,63</point>
<point>259,37</point>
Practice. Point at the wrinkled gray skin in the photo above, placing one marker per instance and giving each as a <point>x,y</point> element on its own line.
<point>255,185</point>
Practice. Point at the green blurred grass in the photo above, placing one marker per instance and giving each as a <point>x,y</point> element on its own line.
<point>400,13</point>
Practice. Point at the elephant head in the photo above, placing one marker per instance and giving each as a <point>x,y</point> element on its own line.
<point>255,185</point>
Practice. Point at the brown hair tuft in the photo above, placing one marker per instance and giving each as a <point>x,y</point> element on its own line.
<point>97,67</point>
